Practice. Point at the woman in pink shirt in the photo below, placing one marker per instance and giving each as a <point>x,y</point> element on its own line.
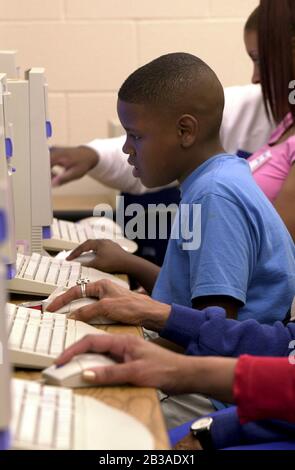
<point>269,36</point>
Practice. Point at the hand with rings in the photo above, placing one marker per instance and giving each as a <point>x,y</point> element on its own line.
<point>114,303</point>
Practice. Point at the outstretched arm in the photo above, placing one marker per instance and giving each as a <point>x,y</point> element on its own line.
<point>112,258</point>
<point>144,364</point>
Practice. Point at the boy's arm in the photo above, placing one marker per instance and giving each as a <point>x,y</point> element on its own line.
<point>110,257</point>
<point>143,271</point>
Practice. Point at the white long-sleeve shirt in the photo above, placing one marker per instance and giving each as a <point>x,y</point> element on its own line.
<point>244,127</point>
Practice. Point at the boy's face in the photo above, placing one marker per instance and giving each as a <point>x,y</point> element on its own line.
<point>151,143</point>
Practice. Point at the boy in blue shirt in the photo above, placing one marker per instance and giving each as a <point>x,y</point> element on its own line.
<point>171,110</point>
<point>240,255</point>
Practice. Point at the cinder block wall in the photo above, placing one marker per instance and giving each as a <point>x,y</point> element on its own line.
<point>88,48</point>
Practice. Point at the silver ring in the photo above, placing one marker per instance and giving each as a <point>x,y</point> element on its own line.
<point>82,283</point>
<point>83,290</point>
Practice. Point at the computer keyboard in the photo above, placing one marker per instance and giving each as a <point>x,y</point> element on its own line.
<point>54,418</point>
<point>68,235</point>
<point>36,338</point>
<point>40,275</point>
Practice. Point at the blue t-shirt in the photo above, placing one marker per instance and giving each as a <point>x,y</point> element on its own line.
<point>240,246</point>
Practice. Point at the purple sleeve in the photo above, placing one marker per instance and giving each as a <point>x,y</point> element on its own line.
<point>208,332</point>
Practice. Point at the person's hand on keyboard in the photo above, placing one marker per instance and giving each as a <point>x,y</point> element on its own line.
<point>109,256</point>
<point>115,303</point>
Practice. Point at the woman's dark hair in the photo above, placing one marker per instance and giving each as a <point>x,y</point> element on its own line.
<point>276,31</point>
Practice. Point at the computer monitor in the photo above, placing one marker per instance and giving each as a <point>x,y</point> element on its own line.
<point>32,180</point>
<point>5,393</point>
<point>20,109</point>
<point>8,63</point>
<point>40,131</point>
<point>8,247</point>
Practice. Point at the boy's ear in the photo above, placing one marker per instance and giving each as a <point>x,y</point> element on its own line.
<point>188,129</point>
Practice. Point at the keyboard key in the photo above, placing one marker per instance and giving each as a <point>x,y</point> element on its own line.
<point>64,234</point>
<point>19,261</point>
<point>58,340</point>
<point>10,314</point>
<point>53,272</point>
<point>81,233</point>
<point>28,423</point>
<point>65,397</point>
<point>55,229</point>
<point>64,274</point>
<point>74,234</point>
<point>18,328</point>
<point>24,266</point>
<point>32,266</point>
<point>75,274</point>
<point>63,437</point>
<point>31,335</point>
<point>70,229</point>
<point>47,416</point>
<point>45,435</point>
<point>43,269</point>
<point>70,333</point>
<point>88,232</point>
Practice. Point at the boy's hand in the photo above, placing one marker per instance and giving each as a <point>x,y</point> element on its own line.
<point>75,161</point>
<point>116,304</point>
<point>110,257</point>
<point>140,363</point>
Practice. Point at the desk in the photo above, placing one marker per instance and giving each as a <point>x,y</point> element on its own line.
<point>142,403</point>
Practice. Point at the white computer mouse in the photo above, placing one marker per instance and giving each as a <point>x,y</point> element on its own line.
<point>79,303</point>
<point>70,374</point>
<point>85,258</point>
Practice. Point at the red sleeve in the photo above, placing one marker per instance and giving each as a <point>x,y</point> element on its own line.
<point>264,388</point>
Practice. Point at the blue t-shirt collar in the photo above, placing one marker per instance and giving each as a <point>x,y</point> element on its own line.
<point>191,178</point>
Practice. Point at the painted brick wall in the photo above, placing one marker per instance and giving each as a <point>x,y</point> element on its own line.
<point>88,48</point>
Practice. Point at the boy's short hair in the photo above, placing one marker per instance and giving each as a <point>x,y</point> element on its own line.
<point>179,81</point>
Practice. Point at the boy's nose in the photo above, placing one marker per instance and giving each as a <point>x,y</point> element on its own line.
<point>127,149</point>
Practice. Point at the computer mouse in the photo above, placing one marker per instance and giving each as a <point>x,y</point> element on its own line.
<point>79,303</point>
<point>70,374</point>
<point>85,257</point>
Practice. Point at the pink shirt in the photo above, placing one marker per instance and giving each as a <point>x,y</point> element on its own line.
<point>271,165</point>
